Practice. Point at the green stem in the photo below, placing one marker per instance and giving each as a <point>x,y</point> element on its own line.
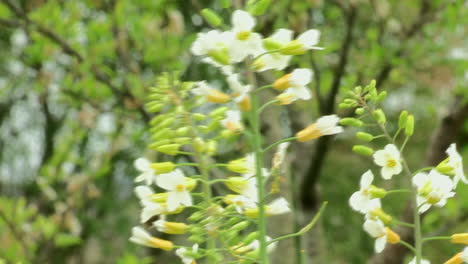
<point>278,142</point>
<point>187,164</point>
<point>397,222</point>
<point>257,146</point>
<point>306,228</point>
<point>260,110</point>
<point>437,238</point>
<point>262,88</point>
<point>408,246</point>
<point>399,191</point>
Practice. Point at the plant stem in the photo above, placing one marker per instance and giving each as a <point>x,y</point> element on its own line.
<point>399,191</point>
<point>257,146</point>
<point>278,142</point>
<point>397,222</point>
<point>261,108</point>
<point>437,238</point>
<point>408,246</point>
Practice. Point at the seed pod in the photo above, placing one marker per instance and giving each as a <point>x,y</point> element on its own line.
<point>349,121</point>
<point>402,119</point>
<point>409,129</point>
<point>379,115</point>
<point>364,136</point>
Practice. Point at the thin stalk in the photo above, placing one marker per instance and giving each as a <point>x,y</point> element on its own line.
<point>278,142</point>
<point>263,107</point>
<point>399,191</point>
<point>257,146</point>
<point>262,88</point>
<point>408,246</point>
<point>437,238</point>
<point>398,222</point>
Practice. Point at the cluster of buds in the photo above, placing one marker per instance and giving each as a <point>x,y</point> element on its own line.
<point>429,189</point>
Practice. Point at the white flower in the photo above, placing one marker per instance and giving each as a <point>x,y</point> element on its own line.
<point>295,84</point>
<point>455,161</point>
<point>150,208</point>
<point>309,39</point>
<point>464,255</point>
<point>275,60</point>
<point>389,159</point>
<point>280,154</point>
<point>214,44</point>
<point>233,121</point>
<point>278,206</point>
<point>423,261</point>
<point>240,91</point>
<point>243,202</point>
<point>148,174</point>
<point>377,230</point>
<point>325,125</point>
<point>175,183</point>
<point>360,200</point>
<point>186,259</point>
<point>140,236</point>
<point>374,207</point>
<point>433,189</point>
<point>245,42</point>
<point>256,245</point>
<point>212,95</point>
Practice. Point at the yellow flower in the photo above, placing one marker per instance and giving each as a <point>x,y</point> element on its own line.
<point>140,236</point>
<point>461,238</point>
<point>325,125</point>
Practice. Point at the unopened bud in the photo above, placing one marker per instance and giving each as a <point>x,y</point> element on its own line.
<point>363,150</point>
<point>376,192</point>
<point>163,167</point>
<point>402,119</point>
<point>170,149</point>
<point>259,7</point>
<point>271,44</point>
<point>379,115</point>
<point>409,129</point>
<point>349,121</point>
<point>294,47</point>
<point>211,17</point>
<point>364,136</point>
<point>240,226</point>
<point>381,96</point>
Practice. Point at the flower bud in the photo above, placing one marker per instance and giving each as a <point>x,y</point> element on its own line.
<point>349,121</point>
<point>376,192</point>
<point>164,133</point>
<point>445,168</point>
<point>163,167</point>
<point>457,259</point>
<point>198,116</point>
<point>195,217</point>
<point>154,106</point>
<point>218,97</point>
<point>379,115</point>
<point>238,165</point>
<point>182,140</point>
<point>212,147</point>
<point>270,44</point>
<point>380,214</point>
<point>220,111</point>
<point>170,149</point>
<point>236,184</point>
<point>199,145</point>
<point>282,83</point>
<point>392,237</point>
<point>359,111</point>
<point>285,98</point>
<point>158,143</point>
<point>402,119</point>
<point>172,228</point>
<point>159,197</point>
<point>381,96</point>
<point>240,226</point>
<point>182,131</point>
<point>245,105</point>
<point>196,239</point>
<point>221,56</point>
<point>364,136</point>
<point>363,150</point>
<point>461,238</point>
<point>294,47</point>
<point>211,17</point>
<point>258,7</point>
<point>409,129</point>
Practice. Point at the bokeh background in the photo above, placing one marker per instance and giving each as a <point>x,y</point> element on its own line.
<point>74,77</point>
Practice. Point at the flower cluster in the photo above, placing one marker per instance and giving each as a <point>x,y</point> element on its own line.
<point>195,118</point>
<point>431,186</point>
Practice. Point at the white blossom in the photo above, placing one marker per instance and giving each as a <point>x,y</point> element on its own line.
<point>376,229</point>
<point>275,60</point>
<point>455,161</point>
<point>186,259</point>
<point>233,120</point>
<point>389,159</point>
<point>175,183</point>
<point>148,174</point>
<point>433,189</point>
<point>245,42</point>
<point>361,200</point>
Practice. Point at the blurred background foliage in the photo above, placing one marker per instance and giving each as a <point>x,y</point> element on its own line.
<point>73,81</point>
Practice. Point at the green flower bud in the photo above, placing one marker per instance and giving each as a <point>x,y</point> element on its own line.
<point>158,119</point>
<point>240,226</point>
<point>409,129</point>
<point>250,238</point>
<point>154,106</point>
<point>364,136</point>
<point>344,106</point>
<point>402,119</point>
<point>166,122</point>
<point>363,150</point>
<point>358,90</point>
<point>225,3</point>
<point>221,56</point>
<point>259,7</point>
<point>384,217</point>
<point>232,221</point>
<point>212,147</point>
<point>164,133</point>
<point>182,131</point>
<point>163,167</point>
<point>236,184</point>
<point>227,133</point>
<point>198,116</point>
<point>381,96</point>
<point>445,168</point>
<point>380,116</point>
<point>182,140</point>
<point>170,149</point>
<point>199,145</point>
<point>196,239</point>
<point>349,121</point>
<point>158,143</point>
<point>220,111</point>
<point>195,217</point>
<point>270,44</point>
<point>359,111</point>
<point>211,17</point>
<point>377,192</point>
<point>294,47</point>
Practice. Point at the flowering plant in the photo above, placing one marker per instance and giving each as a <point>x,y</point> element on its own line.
<point>197,119</point>
<point>428,187</point>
